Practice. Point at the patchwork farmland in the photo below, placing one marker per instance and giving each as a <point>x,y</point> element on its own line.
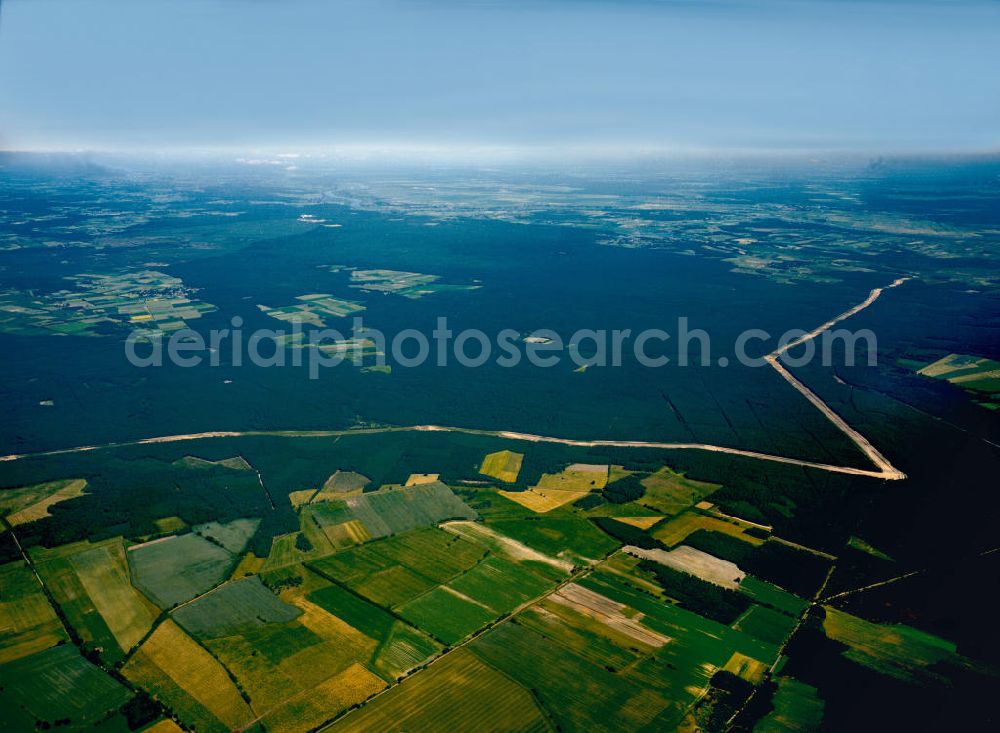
<point>415,605</point>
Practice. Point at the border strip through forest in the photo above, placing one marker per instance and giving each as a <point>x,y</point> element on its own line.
<point>885,469</point>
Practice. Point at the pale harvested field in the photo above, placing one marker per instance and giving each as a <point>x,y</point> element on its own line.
<point>607,611</point>
<point>640,522</point>
<point>694,562</point>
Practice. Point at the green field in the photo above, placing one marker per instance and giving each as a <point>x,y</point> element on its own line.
<point>285,551</point>
<point>624,660</point>
<point>178,568</point>
<point>445,615</point>
<point>576,693</point>
<point>396,569</point>
<point>500,584</point>
<point>771,595</point>
<point>586,637</point>
<point>440,582</point>
<point>673,621</point>
<point>312,309</point>
<point>671,493</point>
<point>139,297</point>
<point>233,463</point>
<point>403,649</point>
<point>567,538</point>
<point>894,649</point>
<point>298,663</point>
<point>459,693</point>
<point>765,624</point>
<point>28,624</point>
<point>797,709</point>
<point>56,684</point>
<point>366,617</point>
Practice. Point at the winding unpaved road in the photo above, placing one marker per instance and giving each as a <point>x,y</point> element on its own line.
<point>885,469</point>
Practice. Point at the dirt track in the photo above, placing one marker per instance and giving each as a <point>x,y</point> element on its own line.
<point>885,469</point>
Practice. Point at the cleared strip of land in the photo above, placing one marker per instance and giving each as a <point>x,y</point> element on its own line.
<point>885,469</point>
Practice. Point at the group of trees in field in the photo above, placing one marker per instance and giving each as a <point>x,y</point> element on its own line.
<point>696,595</point>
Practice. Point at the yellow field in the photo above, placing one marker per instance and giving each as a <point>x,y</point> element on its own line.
<point>416,479</point>
<point>188,679</point>
<point>310,709</point>
<point>541,502</point>
<point>949,364</point>
<point>28,624</point>
<point>30,503</point>
<point>164,726</point>
<point>92,586</point>
<point>640,522</point>
<point>676,530</point>
<point>458,693</point>
<point>250,564</point>
<point>346,534</point>
<point>298,498</point>
<point>504,465</point>
<point>575,477</point>
<point>103,572</point>
<point>746,668</point>
<point>274,668</point>
<point>556,489</point>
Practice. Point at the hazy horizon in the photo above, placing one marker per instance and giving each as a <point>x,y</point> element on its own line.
<point>540,77</point>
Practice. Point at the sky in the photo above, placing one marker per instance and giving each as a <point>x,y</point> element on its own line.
<point>552,75</point>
